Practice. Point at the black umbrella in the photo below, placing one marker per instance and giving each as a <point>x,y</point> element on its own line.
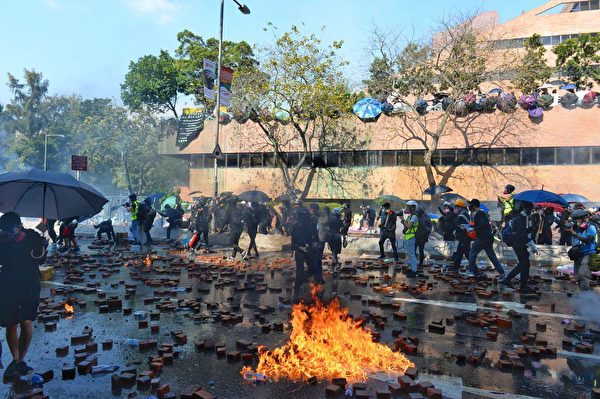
<point>48,194</point>
<point>437,190</point>
<point>254,196</point>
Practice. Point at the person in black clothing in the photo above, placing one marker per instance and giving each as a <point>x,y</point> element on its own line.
<point>105,227</point>
<point>421,239</point>
<point>447,221</point>
<point>236,227</point>
<point>51,231</point>
<point>346,223</point>
<point>387,226</point>
<point>67,234</point>
<point>371,216</point>
<point>21,253</point>
<point>522,243</point>
<point>317,245</point>
<point>174,217</point>
<point>303,234</point>
<point>251,218</point>
<point>334,239</point>
<point>149,222</point>
<point>545,229</point>
<point>202,218</point>
<point>464,241</point>
<point>563,224</point>
<point>484,240</point>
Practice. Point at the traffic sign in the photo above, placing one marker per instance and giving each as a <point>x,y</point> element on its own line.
<point>79,163</point>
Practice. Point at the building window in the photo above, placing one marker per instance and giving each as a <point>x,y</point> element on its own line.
<point>232,160</point>
<point>564,156</point>
<point>447,157</point>
<point>581,155</point>
<point>388,158</point>
<point>417,158</point>
<point>244,160</point>
<point>404,157</point>
<point>269,159</point>
<point>529,156</point>
<point>496,156</point>
<point>256,160</point>
<point>346,159</point>
<point>546,156</point>
<point>333,159</point>
<point>360,158</point>
<point>595,5</point>
<point>596,155</point>
<point>512,156</point>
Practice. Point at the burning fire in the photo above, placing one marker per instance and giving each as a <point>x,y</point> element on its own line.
<point>326,343</point>
<point>69,309</point>
<point>148,261</point>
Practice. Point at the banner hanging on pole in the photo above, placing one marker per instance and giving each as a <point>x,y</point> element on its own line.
<point>191,123</point>
<point>209,69</point>
<point>225,87</point>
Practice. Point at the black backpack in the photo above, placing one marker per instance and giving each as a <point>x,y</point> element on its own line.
<point>143,211</point>
<point>424,228</point>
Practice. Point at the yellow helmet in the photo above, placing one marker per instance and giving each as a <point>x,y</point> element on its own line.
<point>461,202</point>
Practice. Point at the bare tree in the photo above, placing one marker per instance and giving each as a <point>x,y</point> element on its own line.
<point>450,72</point>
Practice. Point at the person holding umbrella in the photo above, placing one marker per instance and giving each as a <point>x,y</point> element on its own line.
<point>21,253</point>
<point>521,234</point>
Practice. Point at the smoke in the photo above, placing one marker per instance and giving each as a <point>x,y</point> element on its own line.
<point>587,304</point>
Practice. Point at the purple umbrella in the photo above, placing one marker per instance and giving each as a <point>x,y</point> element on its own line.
<point>535,112</point>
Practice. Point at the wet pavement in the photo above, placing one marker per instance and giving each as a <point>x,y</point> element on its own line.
<point>488,340</point>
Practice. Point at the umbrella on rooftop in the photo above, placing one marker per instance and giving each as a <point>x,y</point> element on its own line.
<point>367,109</point>
<point>495,91</point>
<point>546,86</point>
<point>54,195</point>
<point>568,86</point>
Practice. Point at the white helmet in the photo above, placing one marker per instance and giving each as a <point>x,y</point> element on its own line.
<point>412,203</point>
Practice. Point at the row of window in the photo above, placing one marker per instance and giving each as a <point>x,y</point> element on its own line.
<point>586,6</point>
<point>495,156</point>
<point>546,40</point>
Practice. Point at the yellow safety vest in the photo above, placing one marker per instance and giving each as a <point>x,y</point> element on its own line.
<point>410,233</point>
<point>508,202</point>
<point>135,206</point>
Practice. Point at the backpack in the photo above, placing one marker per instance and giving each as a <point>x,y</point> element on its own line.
<point>143,211</point>
<point>507,234</point>
<point>424,228</point>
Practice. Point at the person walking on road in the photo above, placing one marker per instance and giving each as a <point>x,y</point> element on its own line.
<point>410,221</point>
<point>21,252</point>
<point>520,236</point>
<point>303,233</point>
<point>251,219</point>
<point>133,207</point>
<point>584,245</point>
<point>387,230</point>
<point>463,240</point>
<point>484,240</point>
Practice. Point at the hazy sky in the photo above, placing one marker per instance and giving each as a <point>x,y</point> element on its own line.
<point>85,46</point>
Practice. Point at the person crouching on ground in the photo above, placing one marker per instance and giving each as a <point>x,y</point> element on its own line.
<point>105,227</point>
<point>21,253</point>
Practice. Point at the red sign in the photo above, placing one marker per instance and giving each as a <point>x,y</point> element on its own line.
<point>79,162</point>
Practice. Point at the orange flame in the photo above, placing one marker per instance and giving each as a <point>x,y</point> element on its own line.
<point>69,309</point>
<point>148,261</point>
<point>326,343</point>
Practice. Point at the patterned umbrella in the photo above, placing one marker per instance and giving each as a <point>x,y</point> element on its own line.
<point>367,109</point>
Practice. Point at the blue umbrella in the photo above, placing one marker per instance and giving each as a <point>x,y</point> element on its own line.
<point>572,198</point>
<point>496,91</point>
<point>484,208</point>
<point>568,86</point>
<point>367,108</point>
<point>37,193</point>
<point>536,196</point>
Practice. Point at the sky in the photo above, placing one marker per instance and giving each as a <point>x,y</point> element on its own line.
<point>84,47</point>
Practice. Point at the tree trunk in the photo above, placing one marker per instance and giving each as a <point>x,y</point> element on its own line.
<point>126,169</point>
<point>427,162</point>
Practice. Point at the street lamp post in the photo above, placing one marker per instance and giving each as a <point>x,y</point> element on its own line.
<point>46,135</point>
<point>244,10</point>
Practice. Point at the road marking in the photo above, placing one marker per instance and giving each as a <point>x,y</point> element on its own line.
<point>473,307</point>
